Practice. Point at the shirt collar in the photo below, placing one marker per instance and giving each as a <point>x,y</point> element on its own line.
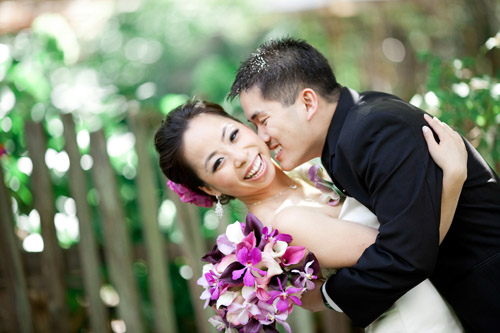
<point>348,98</point>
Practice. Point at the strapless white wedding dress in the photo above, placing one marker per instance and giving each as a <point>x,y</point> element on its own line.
<point>421,309</point>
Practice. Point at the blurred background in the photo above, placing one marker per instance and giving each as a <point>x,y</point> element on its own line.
<point>91,240</point>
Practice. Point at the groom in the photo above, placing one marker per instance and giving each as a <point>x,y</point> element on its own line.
<point>372,147</point>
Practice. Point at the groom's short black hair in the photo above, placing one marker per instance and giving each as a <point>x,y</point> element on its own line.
<point>282,67</point>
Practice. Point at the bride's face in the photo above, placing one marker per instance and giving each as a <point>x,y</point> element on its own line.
<point>227,155</point>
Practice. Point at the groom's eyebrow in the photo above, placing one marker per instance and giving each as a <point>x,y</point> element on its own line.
<point>254,115</point>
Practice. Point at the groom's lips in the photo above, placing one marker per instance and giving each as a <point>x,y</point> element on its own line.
<point>278,155</point>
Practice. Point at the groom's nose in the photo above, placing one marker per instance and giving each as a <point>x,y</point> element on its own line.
<point>262,133</point>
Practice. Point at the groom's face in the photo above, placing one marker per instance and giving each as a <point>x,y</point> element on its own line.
<point>281,127</point>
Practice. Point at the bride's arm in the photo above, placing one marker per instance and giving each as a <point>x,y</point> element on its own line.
<point>450,155</point>
<point>335,243</point>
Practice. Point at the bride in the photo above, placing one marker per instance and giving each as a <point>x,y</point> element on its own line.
<point>216,156</point>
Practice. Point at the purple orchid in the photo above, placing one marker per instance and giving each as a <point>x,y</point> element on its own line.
<point>303,278</point>
<point>224,245</point>
<point>214,256</point>
<point>241,310</point>
<point>213,285</point>
<point>331,194</point>
<point>216,286</point>
<point>219,320</point>
<point>272,236</point>
<point>254,225</point>
<point>186,195</point>
<point>268,317</point>
<point>285,297</point>
<point>218,323</point>
<point>248,259</point>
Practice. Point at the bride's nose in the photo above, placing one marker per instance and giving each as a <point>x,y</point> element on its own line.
<point>240,157</point>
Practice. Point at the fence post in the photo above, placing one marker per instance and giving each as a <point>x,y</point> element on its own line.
<point>160,285</point>
<point>52,256</point>
<point>87,246</point>
<point>13,266</point>
<point>186,216</point>
<point>116,239</point>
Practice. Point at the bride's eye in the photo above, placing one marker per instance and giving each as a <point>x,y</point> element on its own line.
<point>233,135</point>
<point>216,164</point>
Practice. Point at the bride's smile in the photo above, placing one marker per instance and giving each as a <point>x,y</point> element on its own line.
<point>256,169</point>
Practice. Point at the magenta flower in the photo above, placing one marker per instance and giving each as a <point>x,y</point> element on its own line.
<point>248,259</point>
<point>293,255</point>
<point>285,297</point>
<point>186,195</point>
<point>249,241</point>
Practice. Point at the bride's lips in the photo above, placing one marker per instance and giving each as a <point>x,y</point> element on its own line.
<point>256,169</point>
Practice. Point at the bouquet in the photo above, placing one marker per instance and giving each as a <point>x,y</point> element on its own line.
<point>250,281</point>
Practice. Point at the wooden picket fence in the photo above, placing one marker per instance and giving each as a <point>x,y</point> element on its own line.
<point>33,286</point>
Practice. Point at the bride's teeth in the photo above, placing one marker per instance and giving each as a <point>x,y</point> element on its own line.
<point>256,168</point>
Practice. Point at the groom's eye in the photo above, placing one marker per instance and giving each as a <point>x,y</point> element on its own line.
<point>233,135</point>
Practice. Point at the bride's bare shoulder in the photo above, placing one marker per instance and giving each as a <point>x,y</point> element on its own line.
<point>288,217</point>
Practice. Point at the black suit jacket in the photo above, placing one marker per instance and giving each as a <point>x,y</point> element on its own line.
<point>375,151</point>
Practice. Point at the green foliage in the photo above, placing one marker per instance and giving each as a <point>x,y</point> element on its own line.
<point>468,102</point>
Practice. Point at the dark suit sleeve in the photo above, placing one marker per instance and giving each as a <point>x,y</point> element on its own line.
<point>389,159</point>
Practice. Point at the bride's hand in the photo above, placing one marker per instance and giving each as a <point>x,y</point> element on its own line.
<point>450,153</point>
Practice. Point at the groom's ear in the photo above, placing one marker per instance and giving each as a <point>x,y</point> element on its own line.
<point>309,99</point>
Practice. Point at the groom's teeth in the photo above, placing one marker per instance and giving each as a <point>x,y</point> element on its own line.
<point>277,150</point>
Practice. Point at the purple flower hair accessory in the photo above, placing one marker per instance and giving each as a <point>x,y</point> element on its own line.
<point>186,195</point>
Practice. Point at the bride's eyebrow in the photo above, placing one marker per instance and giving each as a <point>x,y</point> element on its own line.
<point>222,139</point>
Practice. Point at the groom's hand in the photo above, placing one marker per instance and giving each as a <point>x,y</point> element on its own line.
<point>312,299</point>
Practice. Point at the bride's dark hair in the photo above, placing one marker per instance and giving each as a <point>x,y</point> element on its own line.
<point>169,144</point>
